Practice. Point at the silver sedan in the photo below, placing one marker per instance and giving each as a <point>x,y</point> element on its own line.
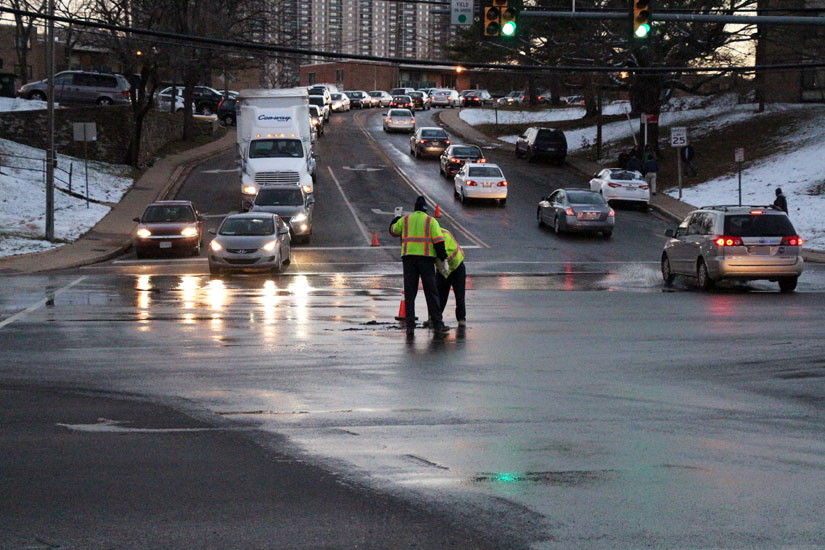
<point>399,120</point>
<point>576,210</point>
<point>250,241</point>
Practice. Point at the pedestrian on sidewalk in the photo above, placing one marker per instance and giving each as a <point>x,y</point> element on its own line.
<point>688,156</point>
<point>422,241</point>
<point>649,169</point>
<point>634,162</point>
<point>781,201</point>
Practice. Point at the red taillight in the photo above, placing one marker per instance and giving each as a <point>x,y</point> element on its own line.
<point>792,241</point>
<point>389,120</point>
<point>481,160</point>
<point>453,160</point>
<point>613,185</point>
<point>612,213</point>
<point>412,121</point>
<point>644,187</point>
<point>447,141</point>
<point>124,93</point>
<point>728,241</point>
<point>757,212</point>
<point>471,183</point>
<point>570,211</point>
<point>220,103</point>
<point>422,141</point>
<point>502,183</point>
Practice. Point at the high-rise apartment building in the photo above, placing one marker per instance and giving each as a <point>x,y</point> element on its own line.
<point>367,27</point>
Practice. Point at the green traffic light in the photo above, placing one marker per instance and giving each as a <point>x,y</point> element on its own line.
<point>509,28</point>
<point>642,30</point>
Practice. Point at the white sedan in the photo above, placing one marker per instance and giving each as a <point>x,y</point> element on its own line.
<point>617,184</point>
<point>481,181</point>
<point>399,120</point>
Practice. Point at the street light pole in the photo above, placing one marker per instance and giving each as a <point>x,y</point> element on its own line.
<point>50,156</point>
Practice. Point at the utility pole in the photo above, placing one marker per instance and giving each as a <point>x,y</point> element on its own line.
<point>50,156</point>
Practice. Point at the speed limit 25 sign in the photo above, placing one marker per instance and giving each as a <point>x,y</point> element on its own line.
<point>678,137</point>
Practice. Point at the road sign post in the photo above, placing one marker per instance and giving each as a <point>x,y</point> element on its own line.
<point>679,140</point>
<point>461,12</point>
<point>85,132</point>
<point>739,157</point>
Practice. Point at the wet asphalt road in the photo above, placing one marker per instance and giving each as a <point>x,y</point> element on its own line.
<point>583,407</point>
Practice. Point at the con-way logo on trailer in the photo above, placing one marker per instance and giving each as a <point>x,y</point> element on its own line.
<point>276,118</point>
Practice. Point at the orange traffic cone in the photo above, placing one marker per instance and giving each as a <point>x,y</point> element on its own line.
<point>375,239</point>
<point>402,309</point>
<point>437,211</point>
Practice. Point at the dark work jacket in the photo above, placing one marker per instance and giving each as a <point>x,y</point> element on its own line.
<point>781,202</point>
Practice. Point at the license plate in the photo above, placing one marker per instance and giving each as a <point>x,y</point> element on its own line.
<point>487,183</point>
<point>762,250</point>
<point>590,215</point>
<point>166,244</point>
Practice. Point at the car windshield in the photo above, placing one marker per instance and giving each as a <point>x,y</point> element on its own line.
<point>575,197</point>
<point>336,96</point>
<point>402,98</point>
<point>290,196</point>
<point>416,95</point>
<point>375,94</point>
<point>247,226</point>
<point>439,134</point>
<point>758,225</point>
<point>400,113</point>
<point>623,175</point>
<point>467,152</point>
<point>275,148</point>
<point>167,213</point>
<point>484,172</point>
<point>316,100</point>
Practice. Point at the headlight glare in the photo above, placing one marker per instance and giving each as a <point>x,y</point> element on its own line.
<point>249,190</point>
<point>216,246</point>
<point>144,233</point>
<point>189,231</point>
<point>299,218</point>
<point>270,246</point>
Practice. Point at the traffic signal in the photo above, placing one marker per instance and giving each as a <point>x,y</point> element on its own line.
<point>492,18</point>
<point>508,20</point>
<point>641,19</point>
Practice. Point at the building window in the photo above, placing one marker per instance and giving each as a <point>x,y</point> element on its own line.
<point>339,75</point>
<point>311,78</point>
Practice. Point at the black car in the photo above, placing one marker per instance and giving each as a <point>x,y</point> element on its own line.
<point>358,99</point>
<point>227,111</point>
<point>478,98</point>
<point>428,141</point>
<point>402,102</point>
<point>537,143</point>
<point>420,100</point>
<point>454,157</point>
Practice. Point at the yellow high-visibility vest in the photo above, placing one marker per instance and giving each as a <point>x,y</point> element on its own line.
<point>419,232</point>
<point>455,255</point>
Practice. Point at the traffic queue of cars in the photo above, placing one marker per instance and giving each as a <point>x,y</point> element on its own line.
<point>711,244</point>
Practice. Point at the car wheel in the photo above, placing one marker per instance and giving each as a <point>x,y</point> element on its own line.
<point>462,198</point>
<point>227,120</point>
<point>140,253</point>
<point>788,284</point>
<point>607,234</point>
<point>667,273</point>
<point>502,202</point>
<point>538,217</point>
<point>518,155</point>
<point>204,110</point>
<point>39,96</point>
<point>643,207</point>
<point>455,192</point>
<point>703,277</point>
<point>530,156</point>
<point>214,270</point>
<point>196,251</point>
<point>104,101</point>
<point>556,225</point>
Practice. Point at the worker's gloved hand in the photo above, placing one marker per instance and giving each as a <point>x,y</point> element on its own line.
<point>442,266</point>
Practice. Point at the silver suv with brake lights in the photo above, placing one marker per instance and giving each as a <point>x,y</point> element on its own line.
<point>743,243</point>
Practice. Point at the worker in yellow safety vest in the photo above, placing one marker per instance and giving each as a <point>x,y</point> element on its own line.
<point>452,274</point>
<point>421,243</point>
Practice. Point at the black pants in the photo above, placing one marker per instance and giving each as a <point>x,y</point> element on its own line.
<point>458,281</point>
<point>422,267</point>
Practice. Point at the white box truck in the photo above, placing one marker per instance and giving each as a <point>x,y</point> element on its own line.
<point>274,140</point>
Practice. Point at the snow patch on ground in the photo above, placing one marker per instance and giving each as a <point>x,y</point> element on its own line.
<point>23,198</point>
<point>20,104</point>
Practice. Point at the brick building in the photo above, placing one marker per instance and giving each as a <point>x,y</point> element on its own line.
<point>383,76</point>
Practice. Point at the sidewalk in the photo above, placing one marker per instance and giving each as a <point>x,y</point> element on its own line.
<point>666,205</point>
<point>113,234</point>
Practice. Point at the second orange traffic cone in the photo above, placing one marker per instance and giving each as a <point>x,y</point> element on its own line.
<point>375,239</point>
<point>402,309</point>
<point>437,211</point>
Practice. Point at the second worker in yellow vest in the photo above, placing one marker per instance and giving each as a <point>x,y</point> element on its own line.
<point>455,277</point>
<point>421,243</point>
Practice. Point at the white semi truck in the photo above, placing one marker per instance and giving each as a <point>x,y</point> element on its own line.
<point>274,140</point>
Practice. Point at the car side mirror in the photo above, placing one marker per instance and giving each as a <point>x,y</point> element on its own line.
<point>384,115</point>
<point>596,175</point>
<point>212,231</point>
<point>310,200</point>
<point>283,230</point>
<point>669,233</point>
<point>136,220</point>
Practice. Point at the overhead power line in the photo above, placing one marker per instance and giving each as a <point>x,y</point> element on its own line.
<point>182,39</point>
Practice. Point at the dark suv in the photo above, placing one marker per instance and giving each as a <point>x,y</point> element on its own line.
<point>227,111</point>
<point>81,87</point>
<point>542,143</point>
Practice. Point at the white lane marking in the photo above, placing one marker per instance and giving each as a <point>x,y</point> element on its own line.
<point>349,205</point>
<point>41,303</point>
<point>104,425</point>
<point>220,171</point>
